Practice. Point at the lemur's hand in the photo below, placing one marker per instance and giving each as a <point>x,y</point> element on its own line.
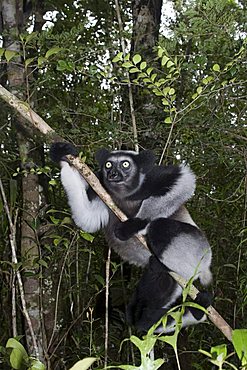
<point>125,230</point>
<point>59,150</point>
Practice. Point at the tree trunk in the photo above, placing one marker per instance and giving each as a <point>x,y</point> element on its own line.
<point>12,17</point>
<point>146,23</point>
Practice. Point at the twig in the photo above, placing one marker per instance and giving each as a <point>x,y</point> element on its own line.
<point>93,181</point>
<point>58,293</point>
<point>19,279</point>
<point>13,288</point>
<point>107,283</point>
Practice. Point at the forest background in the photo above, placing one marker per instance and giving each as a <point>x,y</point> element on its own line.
<point>167,76</point>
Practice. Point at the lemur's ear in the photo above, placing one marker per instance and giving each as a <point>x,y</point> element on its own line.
<point>101,156</point>
<point>146,160</point>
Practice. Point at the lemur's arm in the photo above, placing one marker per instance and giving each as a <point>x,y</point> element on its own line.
<point>88,211</point>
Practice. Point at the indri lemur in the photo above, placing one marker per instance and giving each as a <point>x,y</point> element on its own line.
<point>153,199</point>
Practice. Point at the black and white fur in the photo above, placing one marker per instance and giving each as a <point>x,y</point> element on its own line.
<point>153,199</point>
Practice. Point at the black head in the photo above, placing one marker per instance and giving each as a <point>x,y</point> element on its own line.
<point>123,171</point>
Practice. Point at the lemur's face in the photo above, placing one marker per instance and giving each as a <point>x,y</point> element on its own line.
<point>121,174</point>
<point>123,171</point>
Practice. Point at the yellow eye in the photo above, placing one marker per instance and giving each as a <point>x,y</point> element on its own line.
<point>125,164</point>
<point>108,165</point>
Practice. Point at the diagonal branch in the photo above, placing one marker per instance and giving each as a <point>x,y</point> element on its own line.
<point>93,181</point>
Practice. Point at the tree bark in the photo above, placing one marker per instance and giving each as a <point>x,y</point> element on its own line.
<point>146,23</point>
<point>12,18</point>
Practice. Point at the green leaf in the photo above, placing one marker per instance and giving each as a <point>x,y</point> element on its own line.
<point>9,54</point>
<point>13,343</point>
<point>86,236</point>
<point>53,182</point>
<point>216,68</point>
<point>43,263</point>
<point>134,70</point>
<point>41,60</point>
<point>2,50</point>
<point>166,90</point>
<point>149,70</point>
<point>157,92</point>
<point>136,58</point>
<point>143,65</point>
<point>100,279</point>
<point>28,61</point>
<point>164,60</point>
<point>36,365</point>
<point>239,340</point>
<point>16,358</point>
<point>118,57</point>
<point>199,90</point>
<point>168,120</point>
<point>170,63</point>
<point>171,91</point>
<point>160,51</point>
<point>83,364</point>
<point>18,353</point>
<point>53,51</point>
<point>127,65</point>
<point>165,102</point>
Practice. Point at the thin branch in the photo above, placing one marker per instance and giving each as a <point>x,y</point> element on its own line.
<point>13,287</point>
<point>107,283</point>
<point>19,279</point>
<point>58,292</point>
<point>93,181</point>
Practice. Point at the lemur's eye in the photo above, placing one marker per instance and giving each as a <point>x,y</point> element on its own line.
<point>126,164</point>
<point>108,164</point>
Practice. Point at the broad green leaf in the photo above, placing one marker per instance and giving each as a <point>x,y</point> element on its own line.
<point>9,54</point>
<point>28,61</point>
<point>118,57</point>
<point>2,50</point>
<point>160,51</point>
<point>83,364</point>
<point>149,70</point>
<point>36,365</point>
<point>166,90</point>
<point>170,63</point>
<point>13,343</point>
<point>41,60</point>
<point>127,65</point>
<point>43,263</point>
<point>16,358</point>
<point>164,60</point>
<point>100,279</point>
<point>30,36</point>
<point>216,68</point>
<point>239,340</point>
<point>165,102</point>
<point>168,120</point>
<point>136,58</point>
<point>53,182</point>
<point>53,51</point>
<point>134,70</point>
<point>86,236</point>
<point>143,65</point>
<point>199,90</point>
<point>171,91</point>
<point>157,92</point>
